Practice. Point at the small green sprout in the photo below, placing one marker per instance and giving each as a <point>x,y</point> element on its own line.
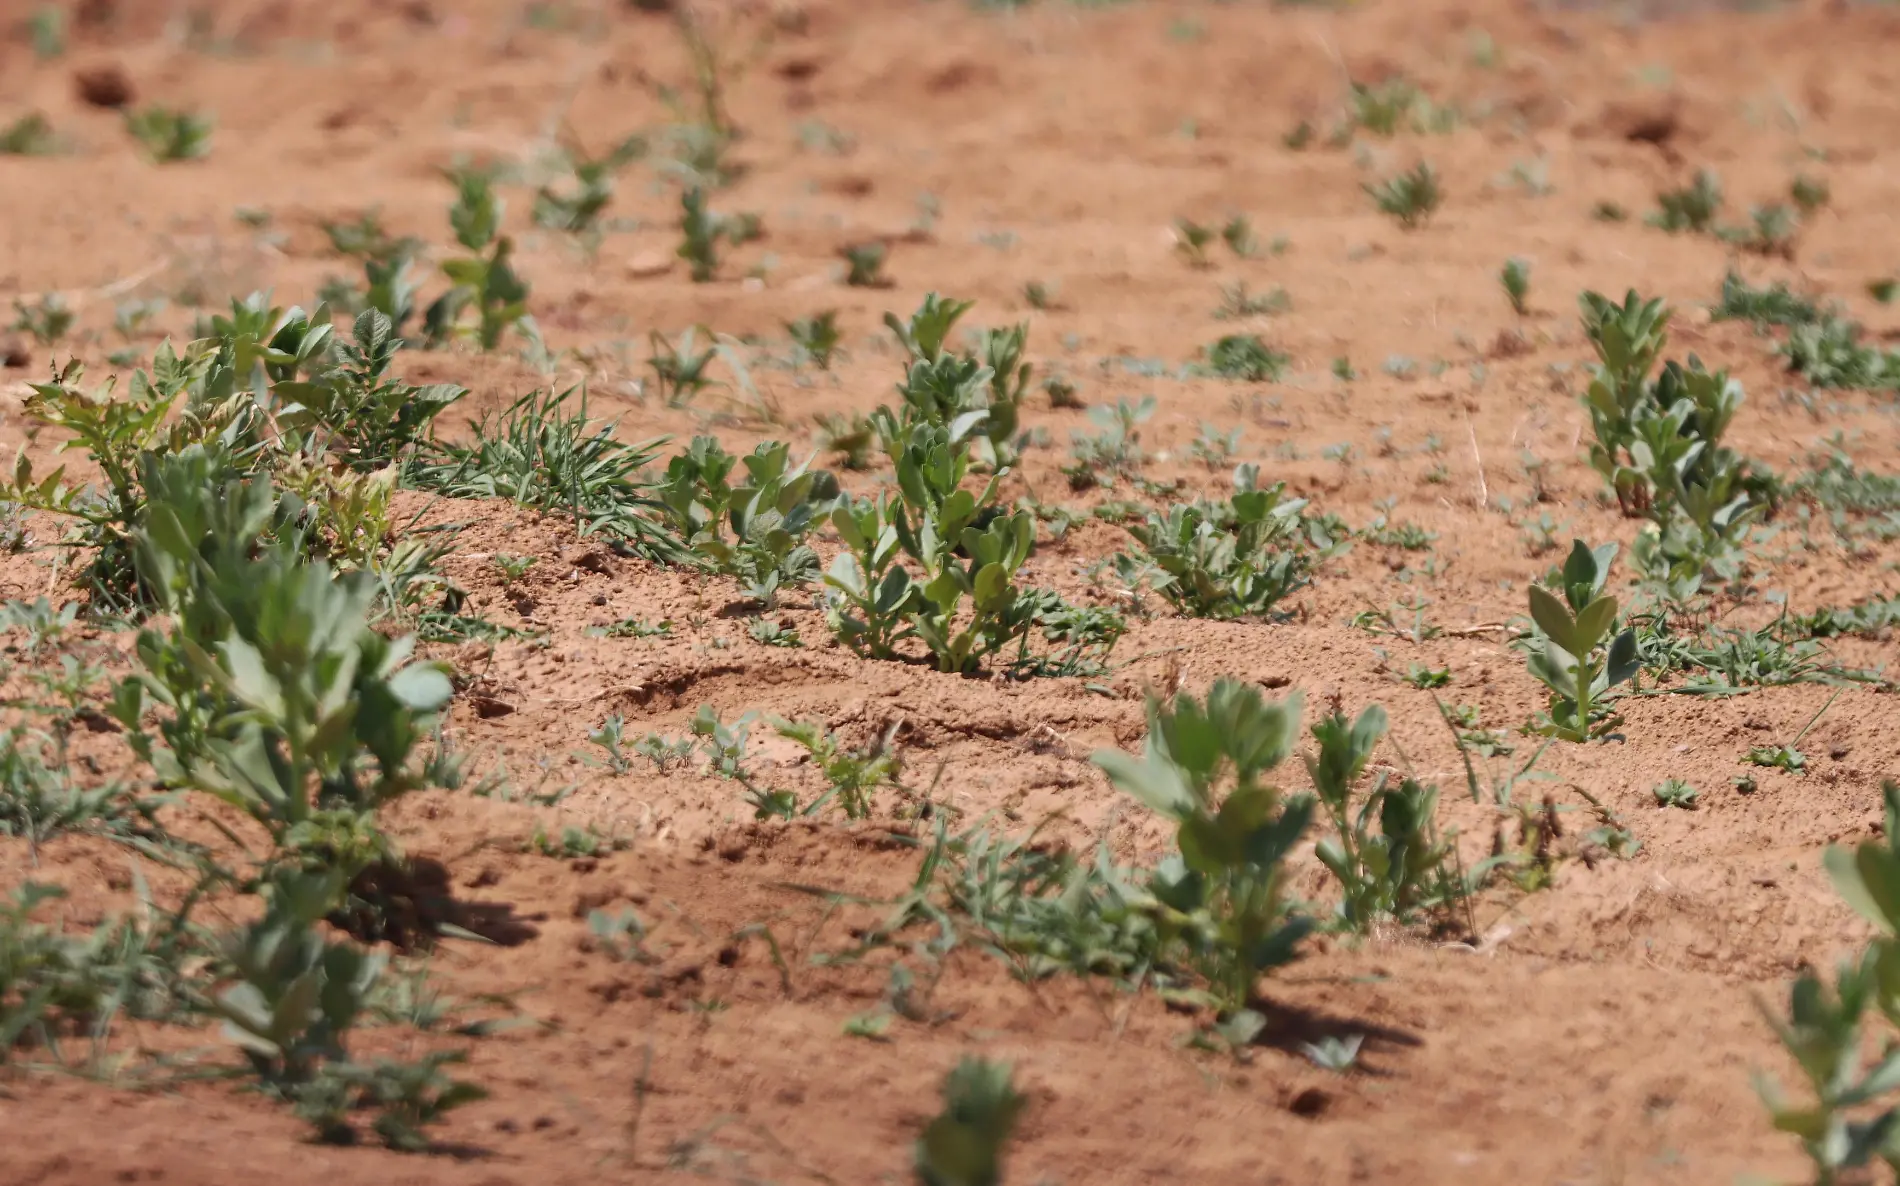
<point>864,265</point>
<point>1410,197</point>
<point>168,135</point>
<point>1674,792</point>
<point>1516,278</point>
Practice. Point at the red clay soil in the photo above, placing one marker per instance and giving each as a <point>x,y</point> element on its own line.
<point>1602,1030</point>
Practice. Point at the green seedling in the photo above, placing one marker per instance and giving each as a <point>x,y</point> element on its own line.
<point>864,265</point>
<point>1851,1121</point>
<point>1113,452</point>
<point>546,453</point>
<point>621,936</point>
<point>1658,442</point>
<point>817,338</point>
<point>30,135</point>
<point>773,634</point>
<point>1245,358</point>
<point>1673,792</point>
<point>292,1001</point>
<point>851,775</point>
<point>1222,903</point>
<point>1237,233</point>
<point>1582,655</point>
<point>367,239</point>
<point>1787,757</point>
<point>1693,208</point>
<point>573,843</point>
<point>1516,278</point>
<point>1191,241</point>
<point>1410,197</point>
<point>681,370</point>
<point>1393,869</point>
<point>1238,557</point>
<point>1393,106</point>
<point>244,671</point>
<point>577,208</point>
<point>770,508</point>
<point>1427,678</point>
<point>699,236</point>
<point>46,28</point>
<point>1039,296</point>
<point>1809,194</point>
<point>1771,231</point>
<point>511,568</point>
<point>1334,1053</point>
<point>964,1145</point>
<point>1213,448</point>
<point>48,320</point>
<point>168,136</point>
<point>610,738</point>
<point>851,438</point>
<point>634,628</point>
<point>1237,303</point>
<point>1884,289</point>
<point>485,279</point>
<point>1774,305</point>
<point>666,753</point>
<point>1608,211</point>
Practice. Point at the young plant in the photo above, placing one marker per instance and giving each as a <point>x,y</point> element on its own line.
<point>577,209</point>
<point>769,633</point>
<point>1581,655</point>
<point>1213,448</point>
<point>1809,194</point>
<point>851,438</point>
<point>1410,197</point>
<point>1396,870</point>
<point>1516,278</point>
<point>1238,557</point>
<point>485,279</point>
<point>1115,451</point>
<point>360,410</point>
<point>30,135</point>
<point>771,509</point>
<point>1238,234</point>
<point>1246,358</point>
<point>292,999</point>
<point>48,319</point>
<point>277,696</point>
<point>699,236</point>
<point>963,1146</point>
<point>817,338</point>
<point>1237,304</point>
<point>1786,757</point>
<point>610,739</point>
<point>680,369</point>
<point>1191,241</point>
<point>168,135</point>
<point>1674,792</point>
<point>851,775</point>
<point>1223,902</point>
<point>545,453</point>
<point>1854,1113</point>
<point>864,264</point>
<point>1694,207</point>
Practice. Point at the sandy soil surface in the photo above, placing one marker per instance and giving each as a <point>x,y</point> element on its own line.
<point>1601,1030</point>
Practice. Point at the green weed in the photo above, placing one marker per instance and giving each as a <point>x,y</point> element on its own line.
<point>169,135</point>
<point>1411,197</point>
